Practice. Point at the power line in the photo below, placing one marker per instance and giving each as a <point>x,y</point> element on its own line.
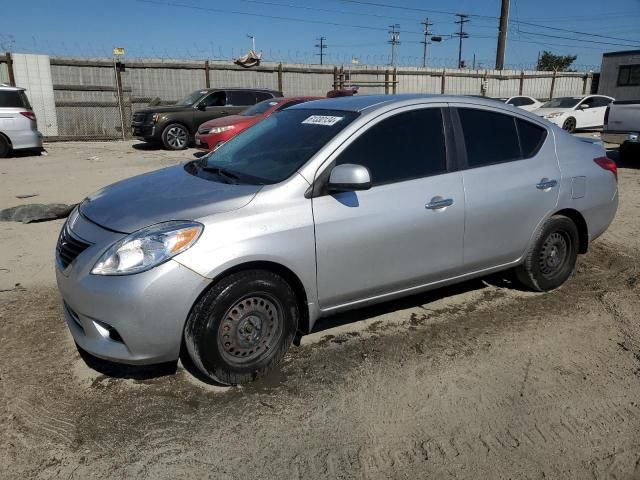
<point>261,15</point>
<point>424,10</point>
<point>475,15</point>
<point>318,9</point>
<point>579,39</point>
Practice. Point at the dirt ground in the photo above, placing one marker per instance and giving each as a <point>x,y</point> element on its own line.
<point>480,380</point>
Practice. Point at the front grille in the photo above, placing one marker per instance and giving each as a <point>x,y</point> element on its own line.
<point>69,247</point>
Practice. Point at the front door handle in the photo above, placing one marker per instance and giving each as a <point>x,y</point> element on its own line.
<point>438,203</point>
<point>546,184</point>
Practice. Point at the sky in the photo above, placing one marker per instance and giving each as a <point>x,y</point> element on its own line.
<point>288,30</point>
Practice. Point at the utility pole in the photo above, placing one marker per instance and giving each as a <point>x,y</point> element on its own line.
<point>502,34</point>
<point>321,46</point>
<point>462,34</point>
<point>426,41</point>
<point>395,41</point>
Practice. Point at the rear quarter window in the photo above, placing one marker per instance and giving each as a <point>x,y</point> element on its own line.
<point>13,99</point>
<point>531,137</point>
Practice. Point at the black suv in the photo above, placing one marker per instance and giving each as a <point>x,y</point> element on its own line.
<point>175,125</point>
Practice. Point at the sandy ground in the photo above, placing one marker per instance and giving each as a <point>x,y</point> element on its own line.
<point>480,380</point>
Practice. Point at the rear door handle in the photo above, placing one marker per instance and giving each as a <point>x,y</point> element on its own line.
<point>438,203</point>
<point>546,184</point>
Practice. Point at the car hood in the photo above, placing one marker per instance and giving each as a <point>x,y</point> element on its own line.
<point>164,109</point>
<point>167,194</point>
<point>231,120</point>
<point>547,111</point>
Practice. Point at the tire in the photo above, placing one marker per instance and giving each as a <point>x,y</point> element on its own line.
<point>175,136</point>
<point>629,152</point>
<point>569,125</point>
<point>5,148</point>
<point>552,259</point>
<point>225,333</point>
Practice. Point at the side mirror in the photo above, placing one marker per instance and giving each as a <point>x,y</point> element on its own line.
<point>583,106</point>
<point>349,178</point>
<point>202,107</point>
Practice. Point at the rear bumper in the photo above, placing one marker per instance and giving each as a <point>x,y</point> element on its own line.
<point>619,138</point>
<point>26,139</point>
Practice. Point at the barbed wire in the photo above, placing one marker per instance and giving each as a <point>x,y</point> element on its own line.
<point>195,51</point>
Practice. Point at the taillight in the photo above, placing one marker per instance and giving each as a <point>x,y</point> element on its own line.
<point>606,116</point>
<point>29,115</point>
<point>607,164</point>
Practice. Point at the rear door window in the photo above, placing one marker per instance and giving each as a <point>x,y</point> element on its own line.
<point>238,99</point>
<point>215,99</point>
<point>13,99</point>
<point>489,137</point>
<point>403,147</point>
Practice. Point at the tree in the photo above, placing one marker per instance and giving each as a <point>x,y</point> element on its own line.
<point>549,61</point>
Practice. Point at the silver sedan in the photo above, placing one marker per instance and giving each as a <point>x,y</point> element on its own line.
<point>322,207</point>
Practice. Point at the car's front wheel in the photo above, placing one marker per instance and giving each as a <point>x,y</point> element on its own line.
<point>569,125</point>
<point>242,326</point>
<point>552,258</point>
<point>175,137</point>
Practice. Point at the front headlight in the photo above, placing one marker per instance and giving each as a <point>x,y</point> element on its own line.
<point>155,118</point>
<point>148,247</point>
<point>222,129</point>
<point>554,115</point>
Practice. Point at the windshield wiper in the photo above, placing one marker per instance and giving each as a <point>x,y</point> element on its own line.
<point>222,172</point>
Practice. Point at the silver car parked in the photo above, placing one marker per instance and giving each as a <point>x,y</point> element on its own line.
<point>325,206</point>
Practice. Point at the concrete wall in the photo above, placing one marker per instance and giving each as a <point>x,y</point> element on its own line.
<point>609,75</point>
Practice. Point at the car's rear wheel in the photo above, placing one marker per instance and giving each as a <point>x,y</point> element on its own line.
<point>569,125</point>
<point>175,137</point>
<point>5,148</point>
<point>242,326</point>
<point>552,258</point>
<point>629,152</point>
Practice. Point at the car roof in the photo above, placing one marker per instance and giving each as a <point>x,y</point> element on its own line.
<point>240,90</point>
<point>4,86</point>
<point>370,102</point>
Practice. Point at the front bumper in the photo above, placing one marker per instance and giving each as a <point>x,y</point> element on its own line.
<point>143,130</point>
<point>133,319</point>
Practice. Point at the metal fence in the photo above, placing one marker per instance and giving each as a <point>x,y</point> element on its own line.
<point>95,100</point>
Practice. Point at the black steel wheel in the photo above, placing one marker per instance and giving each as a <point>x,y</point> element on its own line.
<point>175,137</point>
<point>552,258</point>
<point>569,125</point>
<point>242,326</point>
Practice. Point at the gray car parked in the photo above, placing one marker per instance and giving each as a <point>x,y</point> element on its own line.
<point>325,206</point>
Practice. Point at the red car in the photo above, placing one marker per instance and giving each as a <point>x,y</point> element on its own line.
<point>214,133</point>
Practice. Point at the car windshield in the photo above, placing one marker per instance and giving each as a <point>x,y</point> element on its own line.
<point>259,108</point>
<point>562,102</point>
<point>191,98</point>
<point>273,149</point>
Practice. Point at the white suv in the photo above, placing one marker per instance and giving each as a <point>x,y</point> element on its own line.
<point>18,126</point>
